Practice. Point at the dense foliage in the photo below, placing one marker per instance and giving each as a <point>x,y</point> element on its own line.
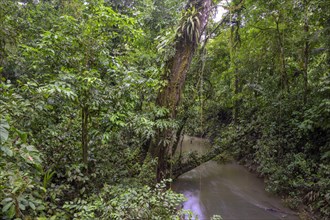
<point>265,96</point>
<point>79,82</point>
<point>77,78</point>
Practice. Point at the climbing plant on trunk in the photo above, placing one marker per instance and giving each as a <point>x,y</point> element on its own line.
<point>193,23</point>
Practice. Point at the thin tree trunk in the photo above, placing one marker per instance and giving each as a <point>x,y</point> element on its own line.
<point>175,72</point>
<point>235,42</point>
<point>284,75</point>
<point>183,167</point>
<point>179,135</point>
<point>306,53</point>
<point>84,134</point>
<point>236,92</point>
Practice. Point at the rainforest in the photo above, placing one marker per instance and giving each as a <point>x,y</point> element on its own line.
<point>100,98</point>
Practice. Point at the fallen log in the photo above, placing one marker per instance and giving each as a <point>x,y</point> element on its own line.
<point>180,167</point>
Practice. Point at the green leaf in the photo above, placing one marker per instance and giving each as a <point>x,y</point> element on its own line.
<point>32,205</point>
<point>23,136</point>
<point>31,148</point>
<point>11,212</point>
<point>4,126</point>
<point>16,188</point>
<point>7,206</point>
<point>325,155</point>
<point>21,206</point>
<point>6,200</point>
<point>7,151</point>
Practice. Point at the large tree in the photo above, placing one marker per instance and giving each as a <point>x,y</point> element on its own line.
<point>192,25</point>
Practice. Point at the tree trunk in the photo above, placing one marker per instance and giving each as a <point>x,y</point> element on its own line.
<point>84,134</point>
<point>306,52</point>
<point>235,43</point>
<point>182,167</point>
<point>178,135</point>
<point>175,73</point>
<point>284,75</point>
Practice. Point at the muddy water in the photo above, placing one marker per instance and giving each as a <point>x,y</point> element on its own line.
<point>229,190</point>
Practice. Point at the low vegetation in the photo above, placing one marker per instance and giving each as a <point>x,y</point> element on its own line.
<point>95,94</point>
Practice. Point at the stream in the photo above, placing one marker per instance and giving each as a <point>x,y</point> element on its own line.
<point>228,190</point>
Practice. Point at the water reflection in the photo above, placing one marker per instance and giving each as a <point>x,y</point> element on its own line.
<point>193,203</point>
<point>229,190</point>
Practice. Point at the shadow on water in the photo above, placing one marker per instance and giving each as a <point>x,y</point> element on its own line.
<point>229,190</point>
